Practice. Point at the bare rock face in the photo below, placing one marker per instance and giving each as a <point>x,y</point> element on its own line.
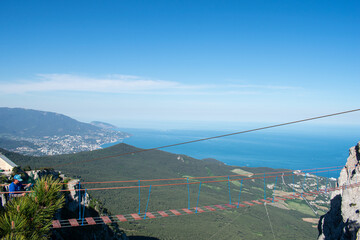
<point>111,232</point>
<point>343,219</point>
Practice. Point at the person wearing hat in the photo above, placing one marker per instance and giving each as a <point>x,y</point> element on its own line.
<point>16,186</point>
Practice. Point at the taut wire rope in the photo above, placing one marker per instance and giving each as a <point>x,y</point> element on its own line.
<point>209,138</point>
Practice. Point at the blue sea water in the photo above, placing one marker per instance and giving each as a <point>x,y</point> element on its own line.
<point>275,149</point>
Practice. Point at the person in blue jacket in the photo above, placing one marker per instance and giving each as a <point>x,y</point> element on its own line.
<point>16,186</point>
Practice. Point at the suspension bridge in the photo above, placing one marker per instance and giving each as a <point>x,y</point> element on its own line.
<point>189,210</point>
<point>268,177</point>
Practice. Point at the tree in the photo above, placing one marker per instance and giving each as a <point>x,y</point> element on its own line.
<point>30,216</point>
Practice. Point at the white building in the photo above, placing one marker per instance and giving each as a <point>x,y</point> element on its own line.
<point>6,164</point>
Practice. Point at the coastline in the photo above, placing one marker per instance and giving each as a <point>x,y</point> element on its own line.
<point>291,151</point>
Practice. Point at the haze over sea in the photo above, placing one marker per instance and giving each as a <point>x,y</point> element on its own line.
<point>299,148</point>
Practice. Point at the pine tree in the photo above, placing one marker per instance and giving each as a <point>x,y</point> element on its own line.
<point>30,216</point>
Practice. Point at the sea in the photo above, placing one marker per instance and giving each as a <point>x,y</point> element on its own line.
<point>301,148</point>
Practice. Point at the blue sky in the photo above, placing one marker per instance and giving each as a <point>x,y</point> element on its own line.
<point>182,64</point>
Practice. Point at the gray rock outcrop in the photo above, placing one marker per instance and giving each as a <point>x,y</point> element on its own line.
<point>342,222</point>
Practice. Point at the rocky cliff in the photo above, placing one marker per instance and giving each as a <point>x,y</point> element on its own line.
<point>343,219</point>
<point>71,210</point>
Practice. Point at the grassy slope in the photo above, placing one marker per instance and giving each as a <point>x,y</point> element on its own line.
<point>246,223</point>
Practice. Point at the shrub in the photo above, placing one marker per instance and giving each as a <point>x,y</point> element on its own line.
<point>30,216</point>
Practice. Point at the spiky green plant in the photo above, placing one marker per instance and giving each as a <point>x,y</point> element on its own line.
<point>29,217</point>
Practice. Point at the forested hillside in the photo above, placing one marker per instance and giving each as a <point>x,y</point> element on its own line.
<point>247,223</point>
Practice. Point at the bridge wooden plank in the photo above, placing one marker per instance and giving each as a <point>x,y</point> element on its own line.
<point>288,197</point>
<point>257,202</point>
<point>150,215</point>
<point>220,207</point>
<point>239,204</point>
<point>283,199</point>
<point>121,218</point>
<point>210,208</point>
<point>175,212</point>
<point>73,222</point>
<point>187,211</point>
<point>162,213</point>
<point>106,219</point>
<point>90,221</point>
<point>263,200</point>
<point>250,204</point>
<point>230,205</point>
<point>135,216</point>
<point>199,210</point>
<point>272,198</point>
<point>56,224</point>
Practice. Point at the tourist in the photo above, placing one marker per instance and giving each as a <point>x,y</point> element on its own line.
<point>16,186</point>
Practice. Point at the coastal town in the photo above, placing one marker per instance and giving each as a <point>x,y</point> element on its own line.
<point>54,145</point>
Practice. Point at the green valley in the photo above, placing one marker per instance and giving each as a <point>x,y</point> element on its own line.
<point>243,223</point>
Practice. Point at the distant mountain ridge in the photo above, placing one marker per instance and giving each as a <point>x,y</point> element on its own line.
<point>103,125</point>
<point>34,132</point>
<point>30,123</point>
